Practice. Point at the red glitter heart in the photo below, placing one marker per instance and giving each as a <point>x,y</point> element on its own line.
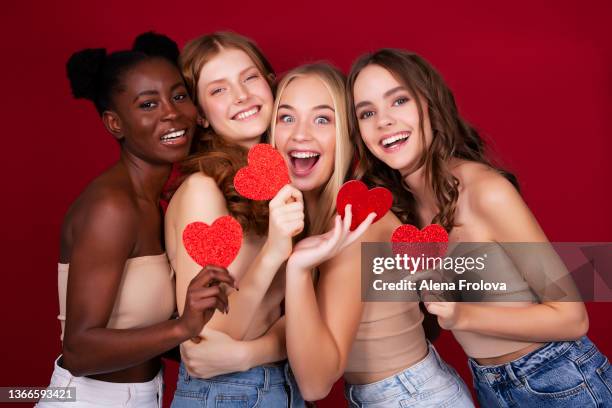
<point>431,241</point>
<point>217,244</point>
<point>265,174</point>
<point>363,201</point>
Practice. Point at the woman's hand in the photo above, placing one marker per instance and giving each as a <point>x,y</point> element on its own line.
<point>204,295</point>
<point>286,221</point>
<point>450,314</point>
<point>217,354</point>
<point>313,251</point>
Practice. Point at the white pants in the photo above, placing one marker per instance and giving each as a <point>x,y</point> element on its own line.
<point>94,393</point>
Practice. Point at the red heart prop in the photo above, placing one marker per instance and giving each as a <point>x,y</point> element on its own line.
<point>217,244</point>
<point>265,174</point>
<point>431,241</point>
<point>363,201</point>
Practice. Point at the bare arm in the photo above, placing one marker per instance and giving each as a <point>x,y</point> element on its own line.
<point>507,218</point>
<point>218,353</point>
<point>199,199</point>
<point>101,247</point>
<point>538,323</point>
<point>321,324</point>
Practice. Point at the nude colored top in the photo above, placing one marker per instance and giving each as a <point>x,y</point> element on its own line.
<point>499,267</point>
<point>145,296</point>
<point>390,336</point>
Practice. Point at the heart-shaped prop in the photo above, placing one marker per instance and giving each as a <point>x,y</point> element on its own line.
<point>431,241</point>
<point>363,201</point>
<point>217,244</point>
<point>265,174</point>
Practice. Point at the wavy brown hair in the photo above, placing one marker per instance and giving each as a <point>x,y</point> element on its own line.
<point>453,137</point>
<point>211,154</point>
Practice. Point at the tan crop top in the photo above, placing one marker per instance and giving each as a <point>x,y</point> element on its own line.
<point>145,296</point>
<point>518,294</point>
<point>390,336</point>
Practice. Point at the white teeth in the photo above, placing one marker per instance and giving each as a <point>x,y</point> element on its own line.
<point>304,155</point>
<point>173,135</point>
<point>249,113</point>
<point>395,138</point>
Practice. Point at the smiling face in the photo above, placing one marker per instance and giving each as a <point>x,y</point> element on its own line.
<point>388,119</point>
<point>234,97</point>
<point>153,116</point>
<point>305,132</point>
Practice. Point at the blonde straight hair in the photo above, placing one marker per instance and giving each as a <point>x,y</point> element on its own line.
<point>334,81</point>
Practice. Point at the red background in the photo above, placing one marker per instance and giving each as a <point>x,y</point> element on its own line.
<point>534,78</point>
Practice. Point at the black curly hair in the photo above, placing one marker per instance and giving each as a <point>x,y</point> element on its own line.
<point>96,75</point>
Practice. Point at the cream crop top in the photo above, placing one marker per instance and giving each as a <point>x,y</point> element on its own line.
<point>390,335</point>
<point>518,294</point>
<point>145,297</point>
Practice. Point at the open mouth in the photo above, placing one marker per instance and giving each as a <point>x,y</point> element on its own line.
<point>247,114</point>
<point>174,137</point>
<point>395,140</point>
<point>303,162</point>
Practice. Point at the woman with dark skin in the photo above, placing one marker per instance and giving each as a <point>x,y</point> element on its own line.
<point>116,225</point>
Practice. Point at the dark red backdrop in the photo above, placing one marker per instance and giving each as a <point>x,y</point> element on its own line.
<point>534,78</point>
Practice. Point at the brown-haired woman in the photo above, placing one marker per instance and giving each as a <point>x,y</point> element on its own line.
<point>411,139</point>
<point>231,82</point>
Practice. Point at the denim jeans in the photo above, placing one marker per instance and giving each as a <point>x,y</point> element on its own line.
<point>560,374</point>
<point>263,386</point>
<point>428,383</point>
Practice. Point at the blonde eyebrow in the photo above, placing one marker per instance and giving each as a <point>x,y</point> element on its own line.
<point>318,107</point>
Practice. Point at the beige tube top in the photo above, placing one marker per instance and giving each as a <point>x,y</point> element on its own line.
<point>499,268</point>
<point>389,337</point>
<point>145,297</point>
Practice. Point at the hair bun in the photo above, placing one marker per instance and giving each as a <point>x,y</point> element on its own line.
<point>154,44</point>
<point>83,69</point>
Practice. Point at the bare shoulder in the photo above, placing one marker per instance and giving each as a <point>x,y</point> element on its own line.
<point>107,204</point>
<point>199,181</point>
<point>488,199</point>
<point>198,186</point>
<point>197,196</point>
<point>484,189</point>
<point>103,208</point>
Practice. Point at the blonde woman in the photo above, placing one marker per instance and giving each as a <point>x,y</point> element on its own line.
<point>379,347</point>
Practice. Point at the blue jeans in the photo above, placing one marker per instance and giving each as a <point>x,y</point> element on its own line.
<point>560,374</point>
<point>428,383</point>
<point>263,386</point>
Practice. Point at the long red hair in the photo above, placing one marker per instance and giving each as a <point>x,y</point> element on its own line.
<point>211,154</point>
